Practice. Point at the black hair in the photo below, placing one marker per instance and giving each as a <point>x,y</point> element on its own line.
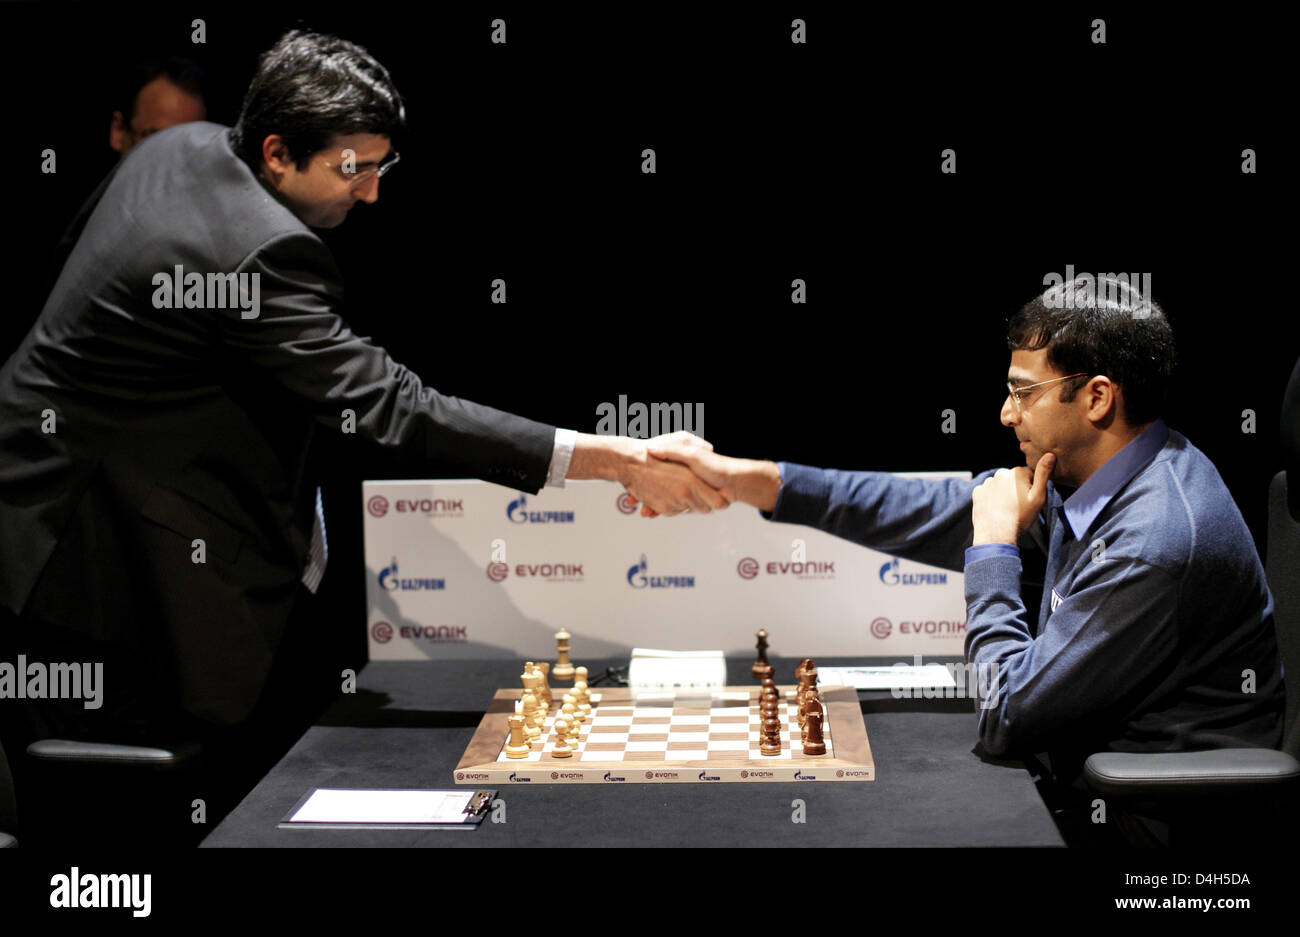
<point>183,73</point>
<point>309,88</point>
<point>1102,326</point>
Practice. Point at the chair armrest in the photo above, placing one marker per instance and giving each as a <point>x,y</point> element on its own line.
<point>7,841</point>
<point>68,750</point>
<point>1218,771</point>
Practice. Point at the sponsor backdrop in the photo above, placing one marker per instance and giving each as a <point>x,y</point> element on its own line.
<point>469,569</point>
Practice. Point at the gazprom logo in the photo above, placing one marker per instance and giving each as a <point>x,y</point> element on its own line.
<point>705,776</point>
<point>637,578</point>
<point>610,776</point>
<point>800,776</point>
<point>890,576</point>
<point>516,779</point>
<point>389,581</point>
<point>517,513</point>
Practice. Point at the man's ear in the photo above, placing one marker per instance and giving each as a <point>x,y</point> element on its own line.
<point>275,154</point>
<point>119,137</point>
<point>1104,404</point>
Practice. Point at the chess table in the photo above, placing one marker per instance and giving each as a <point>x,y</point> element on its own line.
<point>410,723</point>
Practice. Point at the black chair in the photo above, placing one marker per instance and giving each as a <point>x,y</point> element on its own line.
<point>8,804</point>
<point>83,792</point>
<point>1224,796</point>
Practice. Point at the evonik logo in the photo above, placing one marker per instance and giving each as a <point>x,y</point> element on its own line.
<point>431,507</point>
<point>749,567</point>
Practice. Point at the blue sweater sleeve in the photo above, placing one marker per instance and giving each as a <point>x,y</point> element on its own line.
<point>990,549</point>
<point>923,519</point>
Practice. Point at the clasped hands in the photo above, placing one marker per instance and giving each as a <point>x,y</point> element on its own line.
<point>680,472</point>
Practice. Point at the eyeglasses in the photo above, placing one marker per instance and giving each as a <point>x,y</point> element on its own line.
<point>1018,393</point>
<point>355,179</point>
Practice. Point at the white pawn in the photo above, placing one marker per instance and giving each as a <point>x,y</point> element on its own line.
<point>584,698</point>
<point>561,749</point>
<point>527,723</point>
<point>571,700</point>
<point>570,715</point>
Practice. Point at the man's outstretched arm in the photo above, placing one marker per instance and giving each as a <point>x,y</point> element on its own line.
<point>927,520</point>
<point>300,340</point>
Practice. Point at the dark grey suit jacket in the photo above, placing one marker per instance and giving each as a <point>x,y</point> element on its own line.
<point>178,424</point>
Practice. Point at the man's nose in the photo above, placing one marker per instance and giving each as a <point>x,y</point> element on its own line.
<point>1010,415</point>
<point>367,191</point>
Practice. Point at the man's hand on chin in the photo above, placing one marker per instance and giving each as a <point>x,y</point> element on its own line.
<point>1005,504</point>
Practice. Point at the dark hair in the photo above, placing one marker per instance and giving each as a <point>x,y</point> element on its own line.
<point>183,73</point>
<point>1102,326</point>
<point>309,88</point>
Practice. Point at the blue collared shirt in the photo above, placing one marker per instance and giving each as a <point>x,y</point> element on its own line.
<point>1133,616</point>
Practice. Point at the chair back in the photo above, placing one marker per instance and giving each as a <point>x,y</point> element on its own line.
<point>1283,572</point>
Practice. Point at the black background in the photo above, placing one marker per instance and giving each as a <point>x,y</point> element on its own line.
<point>775,161</point>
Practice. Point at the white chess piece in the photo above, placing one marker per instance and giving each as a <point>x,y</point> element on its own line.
<point>517,745</point>
<point>584,697</point>
<point>531,710</point>
<point>561,749</point>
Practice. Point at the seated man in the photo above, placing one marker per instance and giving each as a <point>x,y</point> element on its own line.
<point>1153,631</point>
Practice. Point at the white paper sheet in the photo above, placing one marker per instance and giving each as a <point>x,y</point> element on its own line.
<point>691,670</point>
<point>886,678</point>
<point>333,805</point>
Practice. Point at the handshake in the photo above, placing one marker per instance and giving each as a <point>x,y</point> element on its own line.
<point>675,473</point>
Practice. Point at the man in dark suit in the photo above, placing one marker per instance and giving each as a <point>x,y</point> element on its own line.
<point>157,509</point>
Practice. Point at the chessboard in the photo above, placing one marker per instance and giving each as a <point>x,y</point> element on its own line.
<point>640,736</point>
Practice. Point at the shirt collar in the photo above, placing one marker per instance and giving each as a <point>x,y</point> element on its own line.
<point>1088,500</point>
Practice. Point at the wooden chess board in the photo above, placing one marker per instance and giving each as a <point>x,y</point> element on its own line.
<point>652,737</point>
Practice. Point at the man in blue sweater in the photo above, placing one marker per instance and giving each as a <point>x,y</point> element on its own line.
<point>1111,581</point>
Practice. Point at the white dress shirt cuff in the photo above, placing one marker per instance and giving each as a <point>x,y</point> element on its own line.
<point>565,440</point>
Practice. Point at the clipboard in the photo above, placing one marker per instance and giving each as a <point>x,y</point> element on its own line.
<point>335,808</point>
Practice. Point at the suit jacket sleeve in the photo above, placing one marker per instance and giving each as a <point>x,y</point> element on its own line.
<point>299,339</point>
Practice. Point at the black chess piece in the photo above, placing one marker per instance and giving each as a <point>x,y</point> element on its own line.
<point>770,737</point>
<point>814,743</point>
<point>812,694</point>
<point>761,666</point>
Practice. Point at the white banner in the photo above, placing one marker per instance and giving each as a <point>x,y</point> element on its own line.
<point>469,569</point>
